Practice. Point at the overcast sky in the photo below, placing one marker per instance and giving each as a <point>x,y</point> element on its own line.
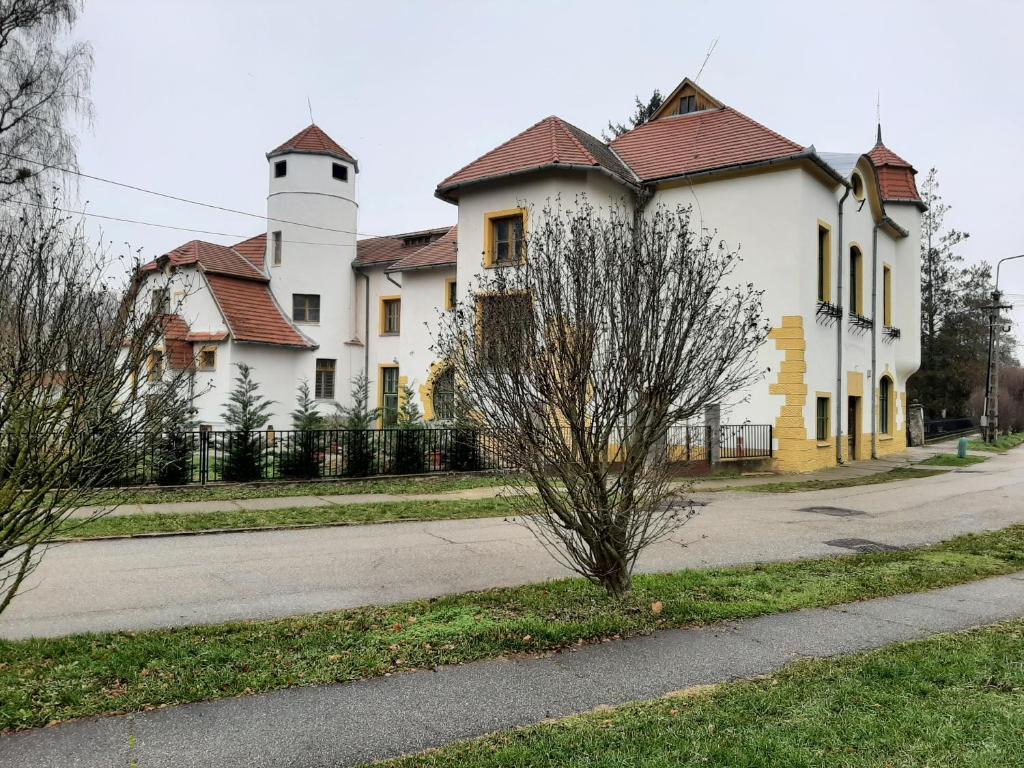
<point>189,96</point>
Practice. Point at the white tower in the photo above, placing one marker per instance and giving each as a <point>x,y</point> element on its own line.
<point>313,182</point>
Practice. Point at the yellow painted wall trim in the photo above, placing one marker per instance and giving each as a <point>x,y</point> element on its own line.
<point>427,389</point>
<point>448,303</point>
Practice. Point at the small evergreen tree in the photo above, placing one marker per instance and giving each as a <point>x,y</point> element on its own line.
<point>174,448</point>
<point>359,420</point>
<point>246,414</point>
<point>410,435</point>
<point>643,112</point>
<point>299,458</point>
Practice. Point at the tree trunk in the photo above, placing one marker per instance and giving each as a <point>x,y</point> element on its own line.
<point>617,580</point>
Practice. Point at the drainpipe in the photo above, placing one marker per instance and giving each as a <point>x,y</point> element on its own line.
<point>839,334</point>
<point>874,338</point>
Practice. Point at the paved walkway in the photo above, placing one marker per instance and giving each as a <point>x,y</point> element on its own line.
<point>173,581</point>
<point>347,724</point>
<point>856,469</point>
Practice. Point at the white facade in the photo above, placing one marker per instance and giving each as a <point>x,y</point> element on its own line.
<point>771,213</point>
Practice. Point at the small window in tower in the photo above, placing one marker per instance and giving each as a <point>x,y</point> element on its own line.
<point>276,257</point>
<point>207,359</point>
<point>280,169</point>
<point>339,171</point>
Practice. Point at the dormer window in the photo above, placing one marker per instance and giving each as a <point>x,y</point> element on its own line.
<point>280,169</point>
<point>687,104</point>
<point>339,171</point>
<point>416,240</point>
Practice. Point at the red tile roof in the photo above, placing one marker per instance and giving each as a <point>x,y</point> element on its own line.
<point>215,259</point>
<point>440,253</point>
<point>550,143</point>
<point>252,314</point>
<point>895,175</point>
<point>253,250</point>
<point>700,141</point>
<point>313,140</point>
<point>391,248</point>
<point>177,348</point>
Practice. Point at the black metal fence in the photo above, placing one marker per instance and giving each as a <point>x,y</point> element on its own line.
<point>939,429</point>
<point>216,456</point>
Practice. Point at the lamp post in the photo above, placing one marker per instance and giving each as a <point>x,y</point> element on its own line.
<point>990,419</point>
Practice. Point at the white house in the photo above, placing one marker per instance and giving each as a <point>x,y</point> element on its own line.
<point>832,238</point>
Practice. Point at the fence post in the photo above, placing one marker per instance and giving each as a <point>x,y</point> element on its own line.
<point>713,420</point>
<point>204,456</point>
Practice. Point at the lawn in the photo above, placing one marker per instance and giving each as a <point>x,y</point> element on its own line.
<point>48,680</point>
<point>951,700</point>
<point>950,460</point>
<point>293,517</point>
<point>394,485</point>
<point>1001,444</point>
<point>792,486</point>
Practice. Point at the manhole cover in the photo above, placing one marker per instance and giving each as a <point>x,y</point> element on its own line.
<point>832,511</point>
<point>864,546</point>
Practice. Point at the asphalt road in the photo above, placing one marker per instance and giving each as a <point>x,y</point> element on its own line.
<point>159,582</point>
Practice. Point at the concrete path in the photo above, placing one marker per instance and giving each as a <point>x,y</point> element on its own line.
<point>910,458</point>
<point>158,582</point>
<point>347,724</point>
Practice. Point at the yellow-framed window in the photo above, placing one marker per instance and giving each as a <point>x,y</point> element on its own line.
<point>887,296</point>
<point>390,315</point>
<point>387,395</point>
<point>207,359</point>
<point>450,294</point>
<point>856,280</point>
<point>886,405</point>
<point>155,365</point>
<point>505,237</point>
<point>824,262</point>
<point>823,418</point>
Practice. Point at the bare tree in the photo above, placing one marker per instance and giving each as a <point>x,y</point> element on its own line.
<point>42,86</point>
<point>612,327</point>
<point>81,380</point>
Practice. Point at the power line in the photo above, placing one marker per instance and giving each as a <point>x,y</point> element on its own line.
<point>161,226</point>
<point>124,185</point>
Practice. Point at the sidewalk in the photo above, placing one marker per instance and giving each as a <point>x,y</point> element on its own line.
<point>347,724</point>
<point>857,469</point>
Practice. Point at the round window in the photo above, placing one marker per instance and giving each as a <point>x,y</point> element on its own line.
<point>858,186</point>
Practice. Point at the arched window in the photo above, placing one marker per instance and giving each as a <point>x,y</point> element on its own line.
<point>856,281</point>
<point>885,403</point>
<point>443,396</point>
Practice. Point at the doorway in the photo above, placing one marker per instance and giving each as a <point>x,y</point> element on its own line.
<point>853,427</point>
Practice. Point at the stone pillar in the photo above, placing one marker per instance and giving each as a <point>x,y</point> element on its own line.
<point>713,422</point>
<point>915,424</point>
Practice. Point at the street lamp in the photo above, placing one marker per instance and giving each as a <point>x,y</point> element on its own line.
<point>990,419</point>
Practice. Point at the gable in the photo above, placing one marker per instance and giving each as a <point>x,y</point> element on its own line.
<point>687,90</point>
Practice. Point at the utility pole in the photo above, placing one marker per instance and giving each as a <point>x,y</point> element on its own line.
<point>990,417</point>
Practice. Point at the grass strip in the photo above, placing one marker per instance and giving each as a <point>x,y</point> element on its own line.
<point>792,486</point>
<point>49,680</point>
<point>950,460</point>
<point>293,517</point>
<point>1001,444</point>
<point>437,484</point>
<point>950,700</point>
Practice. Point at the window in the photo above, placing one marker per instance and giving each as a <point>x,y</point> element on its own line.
<point>155,366</point>
<point>339,171</point>
<point>161,301</point>
<point>887,296</point>
<point>822,426</point>
<point>280,169</point>
<point>207,359</point>
<point>505,238</point>
<point>443,397</point>
<point>324,388</point>
<point>390,315</point>
<point>389,395</point>
<point>856,281</point>
<point>450,294</point>
<point>687,104</point>
<point>504,324</point>
<point>885,403</point>
<point>824,262</point>
<point>306,307</point>
<point>858,186</point>
<point>276,254</point>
